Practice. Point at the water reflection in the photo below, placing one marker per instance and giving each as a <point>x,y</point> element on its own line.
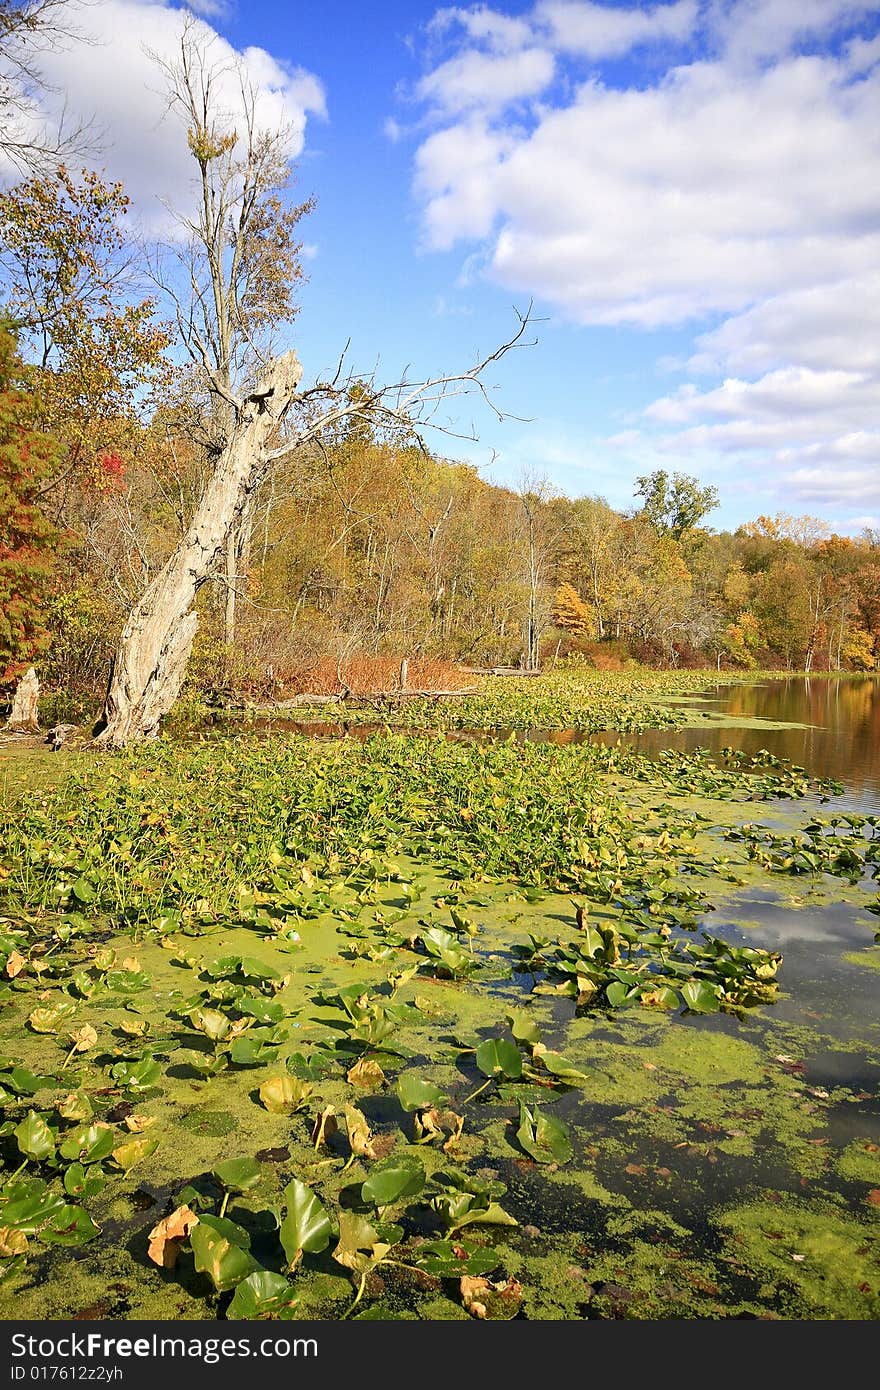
<point>842,740</point>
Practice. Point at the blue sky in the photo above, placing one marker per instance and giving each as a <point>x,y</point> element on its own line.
<point>688,191</point>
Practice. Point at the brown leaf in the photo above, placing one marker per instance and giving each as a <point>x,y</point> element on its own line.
<point>324,1125</point>
<point>168,1235</point>
<point>484,1299</point>
<point>15,964</point>
<point>367,1075</point>
<point>84,1038</point>
<point>873,1197</point>
<point>136,1124</point>
<point>360,1136</point>
<point>636,1170</point>
<point>12,1242</point>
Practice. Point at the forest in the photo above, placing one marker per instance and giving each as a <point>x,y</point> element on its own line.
<point>359,543</point>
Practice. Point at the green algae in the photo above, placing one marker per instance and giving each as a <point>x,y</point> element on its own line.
<point>860,1162</point>
<point>867,960</point>
<point>674,1112</point>
<point>811,1260</point>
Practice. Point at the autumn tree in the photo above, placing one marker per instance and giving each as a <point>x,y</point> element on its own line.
<point>570,612</point>
<point>94,342</point>
<point>674,505</point>
<point>27,539</point>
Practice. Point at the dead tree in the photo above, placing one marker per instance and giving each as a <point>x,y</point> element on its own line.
<point>154,649</point>
<point>155,646</point>
<point>23,718</point>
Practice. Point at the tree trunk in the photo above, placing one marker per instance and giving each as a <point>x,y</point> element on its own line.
<point>23,716</point>
<point>151,660</point>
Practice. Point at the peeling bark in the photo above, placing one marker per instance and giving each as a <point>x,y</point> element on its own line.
<point>151,660</point>
<point>23,716</point>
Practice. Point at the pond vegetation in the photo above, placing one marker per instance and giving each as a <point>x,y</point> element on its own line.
<point>410,1026</point>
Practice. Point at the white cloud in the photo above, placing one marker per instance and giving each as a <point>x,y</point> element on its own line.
<point>658,205</point>
<point>114,81</point>
<point>750,30</point>
<point>600,31</point>
<point>730,187</point>
<point>456,170</point>
<point>836,324</point>
<point>486,81</point>
<point>500,32</point>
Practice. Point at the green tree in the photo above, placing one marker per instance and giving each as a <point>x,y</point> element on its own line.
<point>674,505</point>
<point>27,539</point>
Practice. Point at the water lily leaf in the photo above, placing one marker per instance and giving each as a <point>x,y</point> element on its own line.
<point>451,1258</point>
<point>497,1057</point>
<point>701,997</point>
<point>251,1052</point>
<point>356,1235</point>
<point>468,1209</point>
<point>208,1063</point>
<point>254,969</point>
<point>221,1250</point>
<point>494,1301</point>
<point>84,1038</point>
<point>136,1076</point>
<point>617,994</point>
<point>70,1225</point>
<point>75,1106</point>
<point>88,1143</point>
<point>263,1010</point>
<point>281,1093</point>
<point>416,1094</point>
<point>168,1235</point>
<point>50,1019</point>
<point>366,1074</point>
<point>557,1065</point>
<point>387,1185</point>
<point>306,1226</point>
<point>15,963</point>
<point>360,1136</point>
<point>35,1138</point>
<point>438,1124</point>
<point>82,1182</point>
<point>211,1022</point>
<point>324,1126</point>
<point>544,1138</point>
<point>29,1206</point>
<point>125,1156</point>
<point>128,981</point>
<point>523,1026</point>
<point>374,1028</point>
<point>12,1242</point>
<point>222,968</point>
<point>262,1294</point>
<point>134,1027</point>
<point>27,1083</point>
<point>83,891</point>
<point>238,1174</point>
<point>136,1124</point>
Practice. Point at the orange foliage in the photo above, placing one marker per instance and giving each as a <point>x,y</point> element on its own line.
<point>367,675</point>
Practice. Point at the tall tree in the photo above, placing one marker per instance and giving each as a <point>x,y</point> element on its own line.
<point>677,504</point>
<point>27,540</point>
<point>234,277</point>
